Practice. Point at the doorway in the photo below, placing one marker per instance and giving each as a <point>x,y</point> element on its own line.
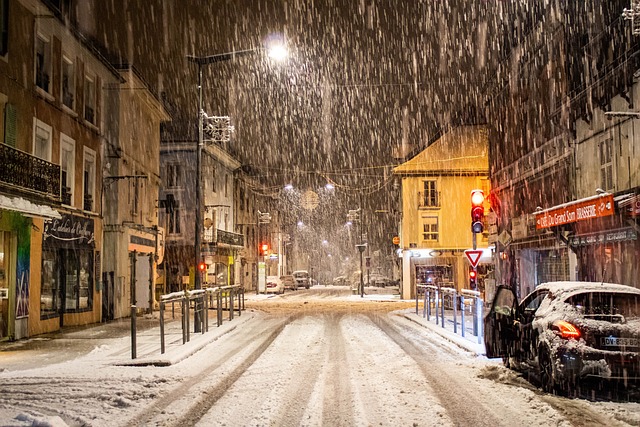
<point>7,292</point>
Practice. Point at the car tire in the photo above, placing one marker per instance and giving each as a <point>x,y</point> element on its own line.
<point>545,371</point>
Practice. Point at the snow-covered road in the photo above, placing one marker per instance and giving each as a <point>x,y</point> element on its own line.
<point>308,358</point>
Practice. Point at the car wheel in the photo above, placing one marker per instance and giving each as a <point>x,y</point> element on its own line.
<point>545,366</point>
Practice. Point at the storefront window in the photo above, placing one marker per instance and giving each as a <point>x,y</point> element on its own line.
<point>49,290</point>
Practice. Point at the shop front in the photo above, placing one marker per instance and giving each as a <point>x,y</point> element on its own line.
<point>69,268</point>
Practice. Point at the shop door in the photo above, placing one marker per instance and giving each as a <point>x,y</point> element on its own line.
<point>7,294</point>
<point>107,296</point>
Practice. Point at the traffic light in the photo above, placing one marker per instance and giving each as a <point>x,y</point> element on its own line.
<point>264,249</point>
<point>473,279</point>
<point>477,211</point>
<point>202,267</point>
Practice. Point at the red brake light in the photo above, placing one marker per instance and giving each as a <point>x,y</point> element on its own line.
<point>566,329</point>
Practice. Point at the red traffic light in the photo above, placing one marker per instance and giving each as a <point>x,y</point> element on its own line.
<point>473,274</point>
<point>477,197</point>
<point>202,266</point>
<point>264,248</point>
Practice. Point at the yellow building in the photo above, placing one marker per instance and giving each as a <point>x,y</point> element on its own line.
<point>436,210</point>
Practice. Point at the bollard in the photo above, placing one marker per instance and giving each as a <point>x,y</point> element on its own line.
<point>475,316</point>
<point>479,310</point>
<point>187,305</point>
<point>184,320</point>
<point>455,309</point>
<point>442,309</point>
<point>424,304</point>
<point>462,313</point>
<point>134,342</point>
<point>219,306</point>
<point>437,305</point>
<point>416,300</point>
<point>231,304</point>
<point>161,327</point>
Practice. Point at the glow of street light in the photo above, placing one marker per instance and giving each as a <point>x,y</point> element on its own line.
<point>329,186</point>
<point>300,223</point>
<point>288,187</point>
<point>278,52</point>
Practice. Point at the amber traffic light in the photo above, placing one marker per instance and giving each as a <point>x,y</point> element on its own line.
<point>477,211</point>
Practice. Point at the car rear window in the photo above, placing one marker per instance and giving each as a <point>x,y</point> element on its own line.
<point>594,304</point>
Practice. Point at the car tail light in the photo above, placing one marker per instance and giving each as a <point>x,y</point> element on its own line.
<point>566,330</point>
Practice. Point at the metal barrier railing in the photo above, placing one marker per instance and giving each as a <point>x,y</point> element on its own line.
<point>198,302</point>
<point>439,297</point>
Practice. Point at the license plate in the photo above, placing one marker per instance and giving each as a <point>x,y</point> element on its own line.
<point>619,342</point>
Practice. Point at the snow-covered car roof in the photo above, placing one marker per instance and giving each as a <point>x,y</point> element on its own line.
<point>560,291</point>
<point>557,288</point>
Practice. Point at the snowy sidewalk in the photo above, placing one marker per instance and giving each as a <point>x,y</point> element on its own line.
<point>111,343</point>
<point>469,342</point>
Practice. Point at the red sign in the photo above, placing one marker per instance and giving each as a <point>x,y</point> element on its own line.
<point>473,255</point>
<point>582,210</point>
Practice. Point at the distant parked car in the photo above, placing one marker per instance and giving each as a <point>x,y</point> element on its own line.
<point>302,278</point>
<point>274,285</point>
<point>377,279</point>
<point>289,282</point>
<point>564,332</point>
<point>340,281</point>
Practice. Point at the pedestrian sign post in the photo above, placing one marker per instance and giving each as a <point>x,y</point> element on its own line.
<point>473,255</point>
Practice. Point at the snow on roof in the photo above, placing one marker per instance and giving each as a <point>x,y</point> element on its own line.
<point>18,204</point>
<point>462,149</point>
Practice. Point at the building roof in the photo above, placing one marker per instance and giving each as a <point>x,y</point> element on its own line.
<point>464,149</point>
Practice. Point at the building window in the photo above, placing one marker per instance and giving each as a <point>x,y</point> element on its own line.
<point>43,62</point>
<point>226,185</point>
<point>49,284</point>
<point>429,197</point>
<point>174,220</point>
<point>67,168</point>
<point>606,164</point>
<point>173,176</point>
<point>90,100</point>
<point>4,27</point>
<point>430,228</point>
<point>66,281</point>
<point>241,199</point>
<point>10,124</point>
<point>89,178</point>
<point>68,83</point>
<point>42,134</point>
<point>213,179</point>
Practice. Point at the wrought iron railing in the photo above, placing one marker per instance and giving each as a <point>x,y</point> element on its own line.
<point>29,172</point>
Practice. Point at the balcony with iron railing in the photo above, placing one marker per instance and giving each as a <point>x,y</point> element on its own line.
<point>429,200</point>
<point>27,172</point>
<point>213,235</point>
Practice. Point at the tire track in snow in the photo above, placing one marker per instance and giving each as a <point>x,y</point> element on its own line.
<point>462,407</point>
<point>336,409</point>
<point>156,414</point>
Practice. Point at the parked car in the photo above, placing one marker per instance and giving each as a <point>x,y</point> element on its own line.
<point>340,281</point>
<point>274,285</point>
<point>289,282</point>
<point>377,279</point>
<point>302,278</point>
<point>565,332</point>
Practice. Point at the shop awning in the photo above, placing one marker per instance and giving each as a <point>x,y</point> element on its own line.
<point>27,208</point>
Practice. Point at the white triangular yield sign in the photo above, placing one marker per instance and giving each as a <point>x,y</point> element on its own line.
<point>473,255</point>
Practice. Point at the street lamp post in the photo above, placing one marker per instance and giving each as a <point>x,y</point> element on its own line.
<point>201,61</point>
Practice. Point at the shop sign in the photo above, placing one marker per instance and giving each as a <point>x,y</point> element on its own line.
<point>619,235</point>
<point>70,228</point>
<point>634,207</point>
<point>519,227</point>
<point>582,210</point>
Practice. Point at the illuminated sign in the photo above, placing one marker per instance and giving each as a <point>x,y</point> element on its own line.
<point>582,210</point>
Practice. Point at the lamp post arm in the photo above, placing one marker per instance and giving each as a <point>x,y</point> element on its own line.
<point>222,57</point>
